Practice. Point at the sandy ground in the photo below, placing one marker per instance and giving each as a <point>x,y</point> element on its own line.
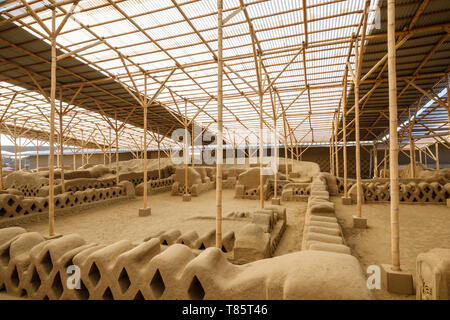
<point>121,221</point>
<point>422,227</point>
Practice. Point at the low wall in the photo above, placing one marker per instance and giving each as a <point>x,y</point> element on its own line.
<point>36,268</point>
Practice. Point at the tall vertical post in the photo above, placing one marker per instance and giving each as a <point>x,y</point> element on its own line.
<point>437,155</point>
<point>219,150</point>
<point>336,145</point>
<point>186,155</point>
<point>412,155</point>
<point>109,147</point>
<point>344,134</point>
<point>261,142</point>
<point>61,141</point>
<point>393,139</point>
<point>375,161</point>
<point>145,155</point>
<point>51,177</point>
<point>358,155</point>
<point>285,144</point>
<point>448,99</point>
<point>116,129</point>
<point>1,166</point>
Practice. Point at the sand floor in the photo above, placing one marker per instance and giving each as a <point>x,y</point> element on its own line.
<point>121,221</point>
<point>422,227</point>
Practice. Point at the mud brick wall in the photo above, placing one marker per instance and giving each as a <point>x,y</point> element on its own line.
<point>36,268</point>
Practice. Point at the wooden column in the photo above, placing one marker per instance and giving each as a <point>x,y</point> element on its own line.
<point>420,155</point>
<point>437,155</point>
<point>61,141</point>
<point>1,165</point>
<point>448,100</point>
<point>219,150</point>
<point>186,152</point>
<point>110,145</point>
<point>336,145</point>
<point>358,154</point>
<point>385,162</point>
<point>412,155</point>
<point>285,145</point>
<point>344,135</point>
<point>261,142</point>
<point>145,106</point>
<point>116,130</point>
<point>393,139</point>
<point>159,159</point>
<point>51,180</point>
<point>375,161</point>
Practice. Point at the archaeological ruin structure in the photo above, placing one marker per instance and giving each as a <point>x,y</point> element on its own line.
<point>224,150</point>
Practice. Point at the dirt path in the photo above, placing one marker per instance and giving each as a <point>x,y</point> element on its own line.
<point>422,227</point>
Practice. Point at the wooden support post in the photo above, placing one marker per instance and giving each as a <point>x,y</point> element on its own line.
<point>51,181</point>
<point>437,155</point>
<point>109,146</point>
<point>393,139</point>
<point>104,151</point>
<point>285,146</point>
<point>219,150</point>
<point>385,162</point>
<point>159,159</point>
<point>260,140</point>
<point>145,107</point>
<point>1,165</point>
<point>186,153</point>
<point>61,141</point>
<point>336,145</point>
<point>412,155</point>
<point>448,99</point>
<point>116,129</point>
<point>420,155</point>
<point>375,161</point>
<point>192,144</point>
<point>344,136</point>
<point>358,155</point>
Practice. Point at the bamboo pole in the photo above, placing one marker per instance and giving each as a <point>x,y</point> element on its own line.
<point>344,135</point>
<point>61,141</point>
<point>437,155</point>
<point>51,192</point>
<point>336,149</point>
<point>186,152</point>
<point>261,142</point>
<point>358,155</point>
<point>116,130</point>
<point>109,147</point>
<point>285,146</point>
<point>159,159</point>
<point>219,150</point>
<point>448,100</point>
<point>375,161</point>
<point>145,155</point>
<point>1,165</point>
<point>412,155</point>
<point>192,144</point>
<point>393,139</point>
<point>275,183</point>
